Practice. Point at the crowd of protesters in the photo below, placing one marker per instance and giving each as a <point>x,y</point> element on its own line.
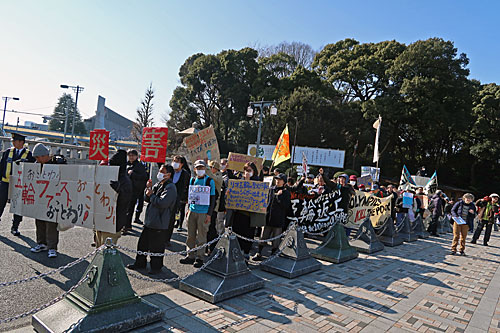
<point>168,205</point>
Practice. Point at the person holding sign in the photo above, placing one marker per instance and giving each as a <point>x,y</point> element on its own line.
<point>201,199</point>
<point>488,209</point>
<point>161,198</point>
<point>47,234</point>
<point>18,153</point>
<point>463,213</point>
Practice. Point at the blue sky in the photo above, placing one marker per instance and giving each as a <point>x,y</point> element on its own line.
<point>116,48</point>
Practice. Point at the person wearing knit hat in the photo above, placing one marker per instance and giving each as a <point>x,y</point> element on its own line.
<point>17,153</point>
<point>47,233</point>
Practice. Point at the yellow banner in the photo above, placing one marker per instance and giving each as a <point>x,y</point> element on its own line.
<point>363,205</point>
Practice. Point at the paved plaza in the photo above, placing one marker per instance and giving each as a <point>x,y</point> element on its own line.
<point>417,286</point>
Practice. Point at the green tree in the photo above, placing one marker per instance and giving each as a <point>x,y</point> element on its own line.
<point>144,116</point>
<point>66,105</point>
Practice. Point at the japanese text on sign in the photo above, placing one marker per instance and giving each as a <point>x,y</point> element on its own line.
<point>247,195</point>
<point>99,145</point>
<point>154,144</point>
<point>203,145</point>
<point>199,195</point>
<point>70,195</point>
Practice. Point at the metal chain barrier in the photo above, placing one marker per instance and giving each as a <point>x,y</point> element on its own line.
<point>140,277</point>
<point>46,305</point>
<point>57,270</point>
<point>168,254</point>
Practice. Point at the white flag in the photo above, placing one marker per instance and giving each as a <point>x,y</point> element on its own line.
<point>376,125</point>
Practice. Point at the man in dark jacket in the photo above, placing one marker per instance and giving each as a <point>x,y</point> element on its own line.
<point>18,153</point>
<point>277,211</point>
<point>161,198</point>
<point>123,186</point>
<point>437,205</point>
<point>463,210</point>
<point>139,176</point>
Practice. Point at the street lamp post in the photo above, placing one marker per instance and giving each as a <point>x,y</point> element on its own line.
<point>5,109</point>
<point>77,90</point>
<point>273,110</point>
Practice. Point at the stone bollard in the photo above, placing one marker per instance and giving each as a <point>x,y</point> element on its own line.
<point>226,277</point>
<point>105,302</point>
<point>418,228</point>
<point>366,240</point>
<point>404,230</point>
<point>295,259</point>
<point>388,235</point>
<point>335,248</point>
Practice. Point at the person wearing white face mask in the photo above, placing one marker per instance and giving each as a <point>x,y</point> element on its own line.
<point>181,180</point>
<point>199,213</point>
<point>161,198</point>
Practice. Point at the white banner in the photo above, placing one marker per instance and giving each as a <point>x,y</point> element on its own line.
<point>315,156</point>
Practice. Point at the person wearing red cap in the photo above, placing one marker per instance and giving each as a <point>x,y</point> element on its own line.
<point>488,209</point>
<point>353,180</point>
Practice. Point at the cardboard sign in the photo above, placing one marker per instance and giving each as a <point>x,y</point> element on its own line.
<point>363,205</point>
<point>237,161</point>
<point>365,180</point>
<point>371,171</point>
<point>248,195</point>
<point>318,213</point>
<point>154,144</point>
<point>199,195</point>
<point>407,200</point>
<point>203,145</point>
<point>99,145</point>
<point>70,195</point>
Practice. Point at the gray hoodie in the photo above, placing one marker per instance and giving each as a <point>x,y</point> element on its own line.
<point>161,205</point>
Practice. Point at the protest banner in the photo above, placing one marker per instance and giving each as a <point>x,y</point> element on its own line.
<point>366,180</point>
<point>154,144</point>
<point>237,161</point>
<point>199,195</point>
<point>316,214</point>
<point>203,145</point>
<point>363,205</point>
<point>315,156</point>
<point>70,195</point>
<point>371,171</point>
<point>248,195</point>
<point>407,200</point>
<point>99,145</point>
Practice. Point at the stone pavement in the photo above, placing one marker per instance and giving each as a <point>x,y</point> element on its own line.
<point>415,287</point>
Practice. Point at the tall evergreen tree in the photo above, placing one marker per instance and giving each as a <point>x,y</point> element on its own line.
<point>66,105</point>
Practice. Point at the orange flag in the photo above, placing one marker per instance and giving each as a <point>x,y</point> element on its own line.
<point>282,151</point>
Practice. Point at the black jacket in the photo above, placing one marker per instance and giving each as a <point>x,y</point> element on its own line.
<point>123,186</point>
<point>161,205</point>
<point>182,186</point>
<point>278,207</point>
<point>139,176</point>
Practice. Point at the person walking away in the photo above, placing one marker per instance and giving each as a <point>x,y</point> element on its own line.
<point>199,214</point>
<point>276,217</point>
<point>161,198</point>
<point>181,181</point>
<point>436,206</point>
<point>488,208</point>
<point>466,210</point>
<point>181,209</point>
<point>123,186</point>
<point>47,234</point>
<point>139,176</point>
<point>17,153</point>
